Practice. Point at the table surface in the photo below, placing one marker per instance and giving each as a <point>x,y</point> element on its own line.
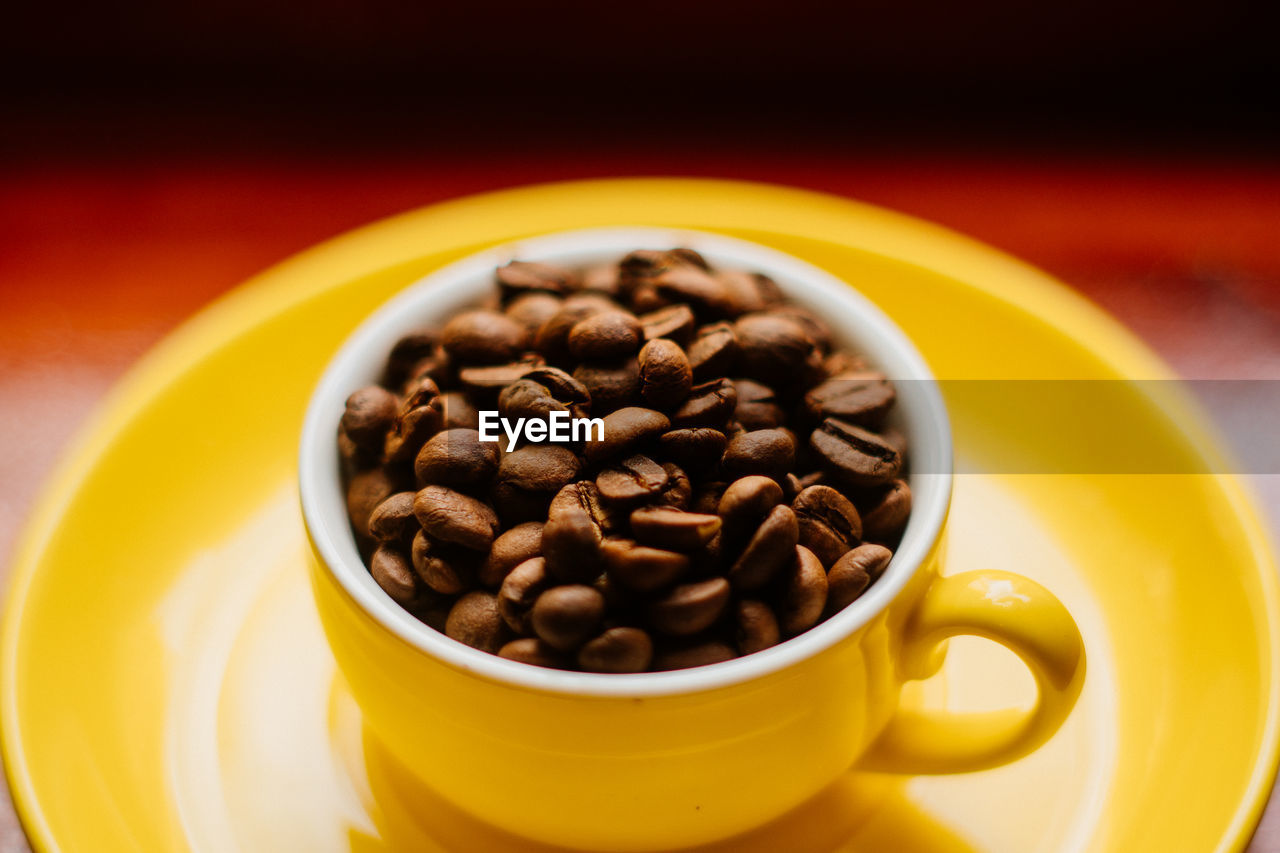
<point>99,259</point>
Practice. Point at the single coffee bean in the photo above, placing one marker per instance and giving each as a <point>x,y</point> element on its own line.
<point>394,574</point>
<point>635,478</point>
<point>743,504</point>
<point>527,277</point>
<point>393,519</point>
<point>584,495</point>
<point>772,349</point>
<point>531,311</point>
<point>817,331</point>
<point>408,352</point>
<point>665,376</point>
<point>552,340</point>
<point>564,389</point>
<point>419,419</point>
<point>768,551</point>
<point>642,568</point>
<point>438,367</point>
<point>624,430</point>
<point>565,617</point>
<point>606,335</point>
<point>697,449</point>
<point>829,523</point>
<point>519,590</point>
<point>482,337</point>
<point>894,438</point>
<point>714,352</point>
<point>853,455</point>
<point>689,608</point>
<point>513,547</point>
<point>697,654</point>
<point>710,404</point>
<point>447,569</point>
<point>571,541</point>
<point>853,573</point>
<point>533,651</point>
<point>887,515</point>
<point>369,416</point>
<point>456,411</point>
<point>493,377</point>
<point>757,627</point>
<point>528,478</point>
<point>525,398</point>
<point>617,650</point>
<point>604,279</point>
<point>450,516</point>
<point>679,489</point>
<point>704,293</point>
<point>456,458</point>
<point>758,406</point>
<point>862,399</point>
<point>749,292</point>
<point>675,322</point>
<point>673,529</point>
<point>611,385</point>
<point>805,594</point>
<point>767,452</point>
<point>366,490</point>
<point>474,620</point>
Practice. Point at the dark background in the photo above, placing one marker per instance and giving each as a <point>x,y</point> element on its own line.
<point>154,155</point>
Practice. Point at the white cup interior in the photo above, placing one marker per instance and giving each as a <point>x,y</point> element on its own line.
<point>856,324</point>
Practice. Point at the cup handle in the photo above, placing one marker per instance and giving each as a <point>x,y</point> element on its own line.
<point>1022,616</point>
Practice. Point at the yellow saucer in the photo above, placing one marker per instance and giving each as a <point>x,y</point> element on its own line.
<point>166,685</point>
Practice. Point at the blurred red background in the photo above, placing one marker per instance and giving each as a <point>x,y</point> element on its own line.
<point>154,155</point>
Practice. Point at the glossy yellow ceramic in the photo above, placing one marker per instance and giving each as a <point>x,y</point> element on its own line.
<point>166,683</point>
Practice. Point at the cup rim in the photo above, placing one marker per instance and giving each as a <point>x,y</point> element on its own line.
<point>358,361</point>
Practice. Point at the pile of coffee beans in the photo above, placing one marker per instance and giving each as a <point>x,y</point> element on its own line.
<point>745,486</point>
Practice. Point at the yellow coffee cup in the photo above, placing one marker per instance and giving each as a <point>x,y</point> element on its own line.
<point>672,759</point>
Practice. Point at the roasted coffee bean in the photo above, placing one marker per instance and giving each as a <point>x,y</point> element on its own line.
<point>749,291</point>
<point>533,651</point>
<point>665,376</point>
<point>437,367</point>
<point>675,322</point>
<point>642,568</point>
<point>768,550</point>
<point>894,438</point>
<point>689,608</point>
<point>394,574</point>
<point>772,349</point>
<point>743,504</point>
<point>853,455</point>
<point>635,478</point>
<point>687,284</point>
<point>492,377</point>
<point>679,489</point>
<point>366,490</point>
<point>757,627</point>
<point>456,458</point>
<point>617,650</point>
<point>524,277</point>
<point>853,573</point>
<point>714,352</point>
<point>767,452</point>
<point>525,398</point>
<point>513,547</point>
<point>393,519</point>
<point>448,570</point>
<point>817,331</point>
<point>571,541</point>
<point>369,416</point>
<point>606,335</point>
<point>887,515</point>
<point>405,355</point>
<point>531,311</point>
<point>697,449</point>
<point>604,278</point>
<point>805,594</point>
<point>710,404</point>
<point>758,406</point>
<point>456,411</point>
<point>862,399</point>
<point>528,478</point>
<point>829,523</point>
<point>624,430</point>
<point>552,340</point>
<point>482,337</point>
<point>611,385</point>
<point>520,589</point>
<point>419,418</point>
<point>696,654</point>
<point>565,617</point>
<point>673,529</point>
<point>474,620</point>
<point>564,388</point>
<point>584,495</point>
<point>450,516</point>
